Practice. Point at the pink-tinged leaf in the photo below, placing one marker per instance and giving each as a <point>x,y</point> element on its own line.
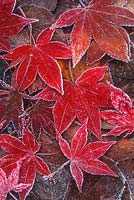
<point>4,44</point>
<point>65,148</point>
<point>23,151</point>
<point>39,59</point>
<point>94,53</point>
<point>8,162</point>
<point>122,116</point>
<point>85,156</point>
<point>14,176</point>
<point>102,21</point>
<point>95,167</point>
<point>20,187</point>
<point>10,183</point>
<point>82,100</point>
<point>120,100</point>
<point>119,130</point>
<point>2,124</point>
<point>77,174</point>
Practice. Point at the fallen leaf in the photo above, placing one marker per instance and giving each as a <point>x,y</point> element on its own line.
<point>11,183</point>
<point>82,99</point>
<point>39,58</point>
<point>24,151</point>
<point>49,4</point>
<point>122,116</point>
<point>101,21</point>
<point>10,23</point>
<point>40,118</point>
<point>84,156</point>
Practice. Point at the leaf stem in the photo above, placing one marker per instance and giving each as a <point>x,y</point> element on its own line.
<point>71,73</point>
<point>50,176</point>
<point>13,196</point>
<point>81,2</point>
<point>29,26</point>
<point>123,179</point>
<point>47,154</point>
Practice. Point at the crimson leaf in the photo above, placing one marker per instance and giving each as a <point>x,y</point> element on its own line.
<point>85,156</point>
<point>40,58</point>
<point>24,151</point>
<point>82,100</point>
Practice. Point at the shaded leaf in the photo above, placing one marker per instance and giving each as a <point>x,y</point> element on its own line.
<point>11,107</point>
<point>40,118</point>
<point>10,23</point>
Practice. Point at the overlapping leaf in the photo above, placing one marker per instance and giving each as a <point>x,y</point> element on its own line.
<point>85,156</point>
<point>24,151</point>
<point>40,118</point>
<point>10,23</point>
<point>102,21</point>
<point>82,100</point>
<point>40,58</point>
<point>11,107</point>
<point>11,183</point>
<point>122,116</point>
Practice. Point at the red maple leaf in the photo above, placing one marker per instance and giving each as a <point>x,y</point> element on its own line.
<point>11,183</point>
<point>25,151</point>
<point>101,21</point>
<point>122,116</point>
<point>40,58</point>
<point>85,156</point>
<point>10,23</point>
<point>82,100</point>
